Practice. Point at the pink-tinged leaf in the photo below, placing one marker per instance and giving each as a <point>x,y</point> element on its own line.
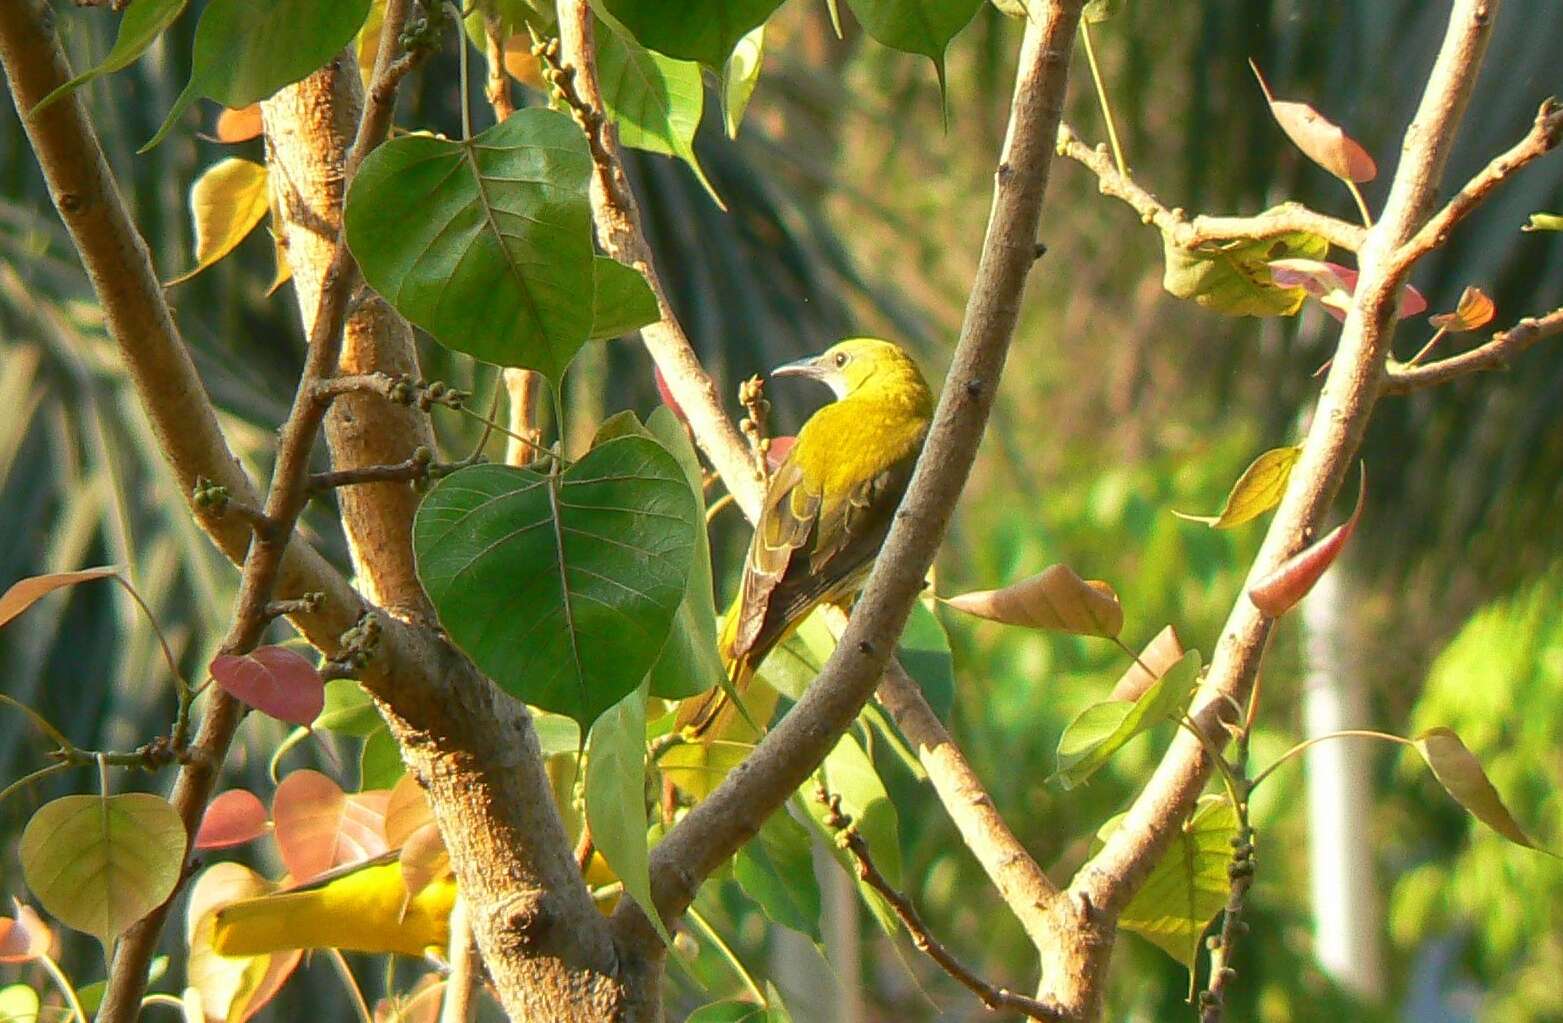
<point>1461,775</point>
<point>423,860</point>
<point>1159,656</point>
<point>777,452</point>
<point>232,989</point>
<point>24,936</point>
<point>666,394</point>
<point>1320,139</point>
<point>24,593</point>
<point>1333,285</point>
<point>275,681</point>
<point>1055,598</point>
<point>1474,311</point>
<point>406,810</point>
<point>233,818</point>
<point>420,1004</point>
<point>1279,591</point>
<point>318,826</point>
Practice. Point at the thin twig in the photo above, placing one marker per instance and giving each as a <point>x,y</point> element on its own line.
<point>1493,354</point>
<point>992,996</point>
<point>461,984</point>
<point>1240,876</point>
<point>1203,230</point>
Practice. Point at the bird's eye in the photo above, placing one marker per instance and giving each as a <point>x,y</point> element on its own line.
<point>841,359</point>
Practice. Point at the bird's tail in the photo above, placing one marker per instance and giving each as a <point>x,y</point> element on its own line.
<point>700,716</point>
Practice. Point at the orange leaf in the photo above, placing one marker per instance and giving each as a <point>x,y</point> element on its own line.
<point>1320,139</point>
<point>1474,310</point>
<point>1279,591</point>
<point>25,937</point>
<point>1159,655</point>
<point>423,860</point>
<point>318,826</point>
<point>521,64</point>
<point>239,125</point>
<point>1055,598</point>
<point>233,818</point>
<point>24,593</point>
<point>406,811</point>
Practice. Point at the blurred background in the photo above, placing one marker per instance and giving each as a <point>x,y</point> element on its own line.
<point>855,207</point>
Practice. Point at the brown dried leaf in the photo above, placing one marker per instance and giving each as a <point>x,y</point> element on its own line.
<point>24,593</point>
<point>1159,655</point>
<point>1320,139</point>
<point>1055,598</point>
<point>1279,591</point>
<point>1473,311</point>
<point>1461,775</point>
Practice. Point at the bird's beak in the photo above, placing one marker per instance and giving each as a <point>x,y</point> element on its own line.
<point>809,368</point>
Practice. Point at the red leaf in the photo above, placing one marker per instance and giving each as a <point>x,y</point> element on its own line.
<point>1279,591</point>
<point>777,452</point>
<point>1333,285</point>
<point>1320,139</point>
<point>233,818</point>
<point>24,938</point>
<point>318,826</point>
<point>275,681</point>
<point>24,593</point>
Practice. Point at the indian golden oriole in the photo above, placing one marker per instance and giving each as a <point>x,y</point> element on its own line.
<point>829,505</point>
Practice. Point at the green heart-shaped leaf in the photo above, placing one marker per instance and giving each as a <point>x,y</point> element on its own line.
<point>703,30</point>
<point>486,244</point>
<point>1102,729</point>
<point>561,588</point>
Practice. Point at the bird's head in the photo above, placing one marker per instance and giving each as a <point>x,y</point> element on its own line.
<point>858,363</point>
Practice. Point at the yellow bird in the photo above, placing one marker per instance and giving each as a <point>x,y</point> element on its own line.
<point>829,505</point>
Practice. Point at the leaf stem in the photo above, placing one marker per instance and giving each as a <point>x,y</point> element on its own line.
<point>168,654</point>
<point>64,985</point>
<point>466,96</point>
<point>705,928</point>
<point>39,720</point>
<point>1362,204</point>
<point>529,442</point>
<point>163,998</point>
<point>1346,733</point>
<point>1135,658</point>
<point>349,981</point>
<point>1422,353</point>
<point>28,779</point>
<point>1101,97</point>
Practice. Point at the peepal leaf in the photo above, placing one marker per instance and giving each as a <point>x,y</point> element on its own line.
<point>1160,655</point>
<point>1320,139</point>
<point>776,869</point>
<point>1259,489</point>
<point>99,864</point>
<point>562,588</point>
<point>1188,886</point>
<point>318,826</point>
<point>486,244</point>
<point>616,798</point>
<point>656,101</point>
<point>274,680</point>
<point>1234,277</point>
<point>139,28</point>
<point>734,1010</point>
<point>1279,591</point>
<point>245,51</point>
<point>1055,598</point>
<point>239,125</point>
<point>702,30</point>
<point>916,26</point>
<point>233,818</point>
<point>229,988</point>
<point>1102,729</point>
<point>1333,285</point>
<point>1474,310</point>
<point>24,593</point>
<point>740,75</point>
<point>622,301</point>
<point>19,1004</point>
<point>24,936</point>
<point>1461,775</point>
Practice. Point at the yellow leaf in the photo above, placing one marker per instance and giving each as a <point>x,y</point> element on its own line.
<point>367,46</point>
<point>1259,489</point>
<point>1475,309</point>
<point>227,201</point>
<point>1055,598</point>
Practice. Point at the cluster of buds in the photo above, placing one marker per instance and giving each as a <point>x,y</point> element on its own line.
<point>406,390</point>
<point>425,28</point>
<point>209,496</point>
<point>757,409</point>
<point>358,646</point>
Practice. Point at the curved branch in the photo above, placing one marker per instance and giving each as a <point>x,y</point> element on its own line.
<point>1494,354</point>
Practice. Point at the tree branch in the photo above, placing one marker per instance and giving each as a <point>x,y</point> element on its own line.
<point>1106,883</point>
<point>1189,234</point>
<point>720,824</point>
<point>995,998</point>
<point>1493,354</point>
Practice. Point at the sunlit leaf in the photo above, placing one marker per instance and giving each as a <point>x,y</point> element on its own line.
<point>24,593</point>
<point>100,864</point>
<point>1158,658</point>
<point>274,680</point>
<point>776,869</point>
<point>366,45</point>
<point>1259,489</point>
<point>924,651</point>
<point>380,761</point>
<point>616,798</point>
<point>245,51</point>
<point>522,64</point>
<point>1319,139</point>
<point>916,26</point>
<point>622,301</point>
<point>1188,886</point>
<point>239,125</point>
<point>1055,598</point>
<point>740,75</point>
<point>1102,729</point>
<point>233,818</point>
<point>226,202</point>
<point>1544,222</point>
<point>734,1010</point>
<point>562,588</point>
<point>1234,277</point>
<point>1333,285</point>
<point>139,27</point>
<point>698,767</point>
<point>23,935</point>
<point>1474,311</point>
<point>408,810</point>
<point>1279,591</point>
<point>1097,11</point>
<point>1461,775</point>
<point>423,859</point>
<point>231,989</point>
<point>19,1004</point>
<point>703,30</point>
<point>318,826</point>
<point>486,244</point>
<point>656,101</point>
<point>348,710</point>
